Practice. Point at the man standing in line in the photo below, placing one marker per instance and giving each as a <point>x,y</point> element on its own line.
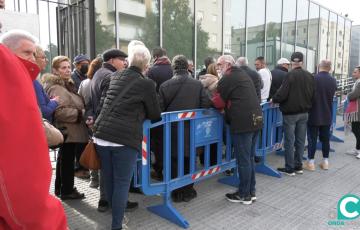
<point>243,113</point>
<point>320,115</point>
<point>266,77</point>
<point>81,63</point>
<point>17,72</point>
<point>295,97</point>
<point>278,74</point>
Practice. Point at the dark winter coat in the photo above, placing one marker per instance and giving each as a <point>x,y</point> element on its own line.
<point>123,124</point>
<point>160,72</point>
<point>321,110</point>
<point>182,92</point>
<point>278,74</point>
<point>255,77</point>
<point>242,108</point>
<point>99,85</point>
<point>77,77</point>
<point>296,92</point>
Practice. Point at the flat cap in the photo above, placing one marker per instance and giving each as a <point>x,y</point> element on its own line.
<point>113,53</point>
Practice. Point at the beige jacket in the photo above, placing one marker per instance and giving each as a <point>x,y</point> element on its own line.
<point>209,82</point>
<point>70,112</point>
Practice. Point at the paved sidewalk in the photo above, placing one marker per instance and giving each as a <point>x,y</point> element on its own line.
<point>304,202</point>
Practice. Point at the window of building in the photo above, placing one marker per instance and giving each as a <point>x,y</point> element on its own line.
<point>214,17</point>
<point>214,1</point>
<point>340,44</point>
<point>338,65</point>
<point>213,38</point>
<point>304,30</point>
<point>200,15</point>
<point>339,54</point>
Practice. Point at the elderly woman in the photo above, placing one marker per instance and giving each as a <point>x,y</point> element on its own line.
<point>130,100</point>
<point>210,79</point>
<point>69,116</point>
<point>352,112</point>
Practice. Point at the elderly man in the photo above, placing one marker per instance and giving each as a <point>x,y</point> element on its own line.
<point>42,211</point>
<point>81,63</point>
<point>320,115</point>
<point>295,97</point>
<point>278,74</point>
<point>265,74</point>
<point>243,63</point>
<point>243,113</point>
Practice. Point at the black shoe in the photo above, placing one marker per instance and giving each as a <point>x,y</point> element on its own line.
<point>287,171</point>
<point>298,170</point>
<point>177,196</point>
<point>253,196</point>
<point>189,195</point>
<point>131,206</point>
<point>235,197</point>
<point>74,195</point>
<point>135,190</point>
<point>103,206</point>
<point>257,159</point>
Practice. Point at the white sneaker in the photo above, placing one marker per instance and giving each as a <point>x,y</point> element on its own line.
<point>353,152</point>
<point>358,156</point>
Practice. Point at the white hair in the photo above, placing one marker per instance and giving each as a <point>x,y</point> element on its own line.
<point>325,64</point>
<point>242,61</point>
<point>227,59</point>
<point>139,56</point>
<point>12,38</point>
<point>132,44</point>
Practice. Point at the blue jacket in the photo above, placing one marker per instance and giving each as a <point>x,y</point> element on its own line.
<point>46,105</point>
<point>321,110</point>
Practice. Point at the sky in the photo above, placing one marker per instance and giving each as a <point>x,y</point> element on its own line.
<point>350,7</point>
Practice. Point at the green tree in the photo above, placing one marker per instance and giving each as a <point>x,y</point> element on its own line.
<point>104,38</point>
<point>178,31</point>
<point>50,52</point>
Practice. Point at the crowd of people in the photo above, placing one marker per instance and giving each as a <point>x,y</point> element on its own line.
<point>108,98</point>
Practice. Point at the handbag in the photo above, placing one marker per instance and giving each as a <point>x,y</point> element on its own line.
<point>53,136</point>
<point>89,158</point>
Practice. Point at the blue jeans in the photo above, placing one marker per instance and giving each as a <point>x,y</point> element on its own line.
<point>117,167</point>
<point>244,150</point>
<point>324,136</point>
<point>294,135</point>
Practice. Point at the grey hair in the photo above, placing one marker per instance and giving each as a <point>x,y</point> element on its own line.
<point>12,38</point>
<point>326,64</point>
<point>242,61</point>
<point>132,44</point>
<point>139,56</point>
<point>227,59</point>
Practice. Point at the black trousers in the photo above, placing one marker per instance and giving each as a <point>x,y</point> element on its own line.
<point>355,128</point>
<point>64,180</point>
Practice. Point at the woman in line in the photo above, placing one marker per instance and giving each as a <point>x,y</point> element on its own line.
<point>130,99</point>
<point>69,115</point>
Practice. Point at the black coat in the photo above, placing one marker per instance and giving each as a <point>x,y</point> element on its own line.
<point>255,77</point>
<point>296,92</point>
<point>160,73</point>
<point>278,74</point>
<point>182,92</point>
<point>99,86</point>
<point>123,125</point>
<point>242,110</point>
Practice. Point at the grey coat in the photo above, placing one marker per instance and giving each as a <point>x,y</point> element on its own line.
<point>355,94</point>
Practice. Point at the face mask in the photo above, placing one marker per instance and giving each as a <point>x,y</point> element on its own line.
<point>84,69</point>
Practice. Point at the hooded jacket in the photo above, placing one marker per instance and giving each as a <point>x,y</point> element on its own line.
<point>25,169</point>
<point>69,114</point>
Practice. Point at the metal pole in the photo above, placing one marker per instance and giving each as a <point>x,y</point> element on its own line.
<point>161,22</point>
<point>117,22</point>
<point>282,27</point>
<point>48,9</point>
<point>92,18</point>
<point>265,30</point>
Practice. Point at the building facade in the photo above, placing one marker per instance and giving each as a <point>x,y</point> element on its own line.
<point>197,29</point>
<point>355,47</point>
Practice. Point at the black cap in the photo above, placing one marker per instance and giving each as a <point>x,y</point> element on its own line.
<point>113,53</point>
<point>297,57</point>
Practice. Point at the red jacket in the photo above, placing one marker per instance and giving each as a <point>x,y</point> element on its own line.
<point>25,169</point>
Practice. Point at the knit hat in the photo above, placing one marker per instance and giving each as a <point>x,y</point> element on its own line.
<point>179,62</point>
<point>113,53</point>
<point>81,57</point>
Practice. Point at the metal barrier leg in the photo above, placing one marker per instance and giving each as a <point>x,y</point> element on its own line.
<point>230,180</point>
<point>267,170</point>
<point>336,139</point>
<point>167,211</point>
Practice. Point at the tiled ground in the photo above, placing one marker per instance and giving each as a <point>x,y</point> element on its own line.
<point>302,202</point>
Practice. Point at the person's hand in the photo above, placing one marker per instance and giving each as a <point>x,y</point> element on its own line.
<point>90,121</point>
<point>56,98</point>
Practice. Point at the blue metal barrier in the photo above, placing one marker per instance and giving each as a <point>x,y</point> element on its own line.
<point>342,128</point>
<point>333,125</point>
<point>205,129</point>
